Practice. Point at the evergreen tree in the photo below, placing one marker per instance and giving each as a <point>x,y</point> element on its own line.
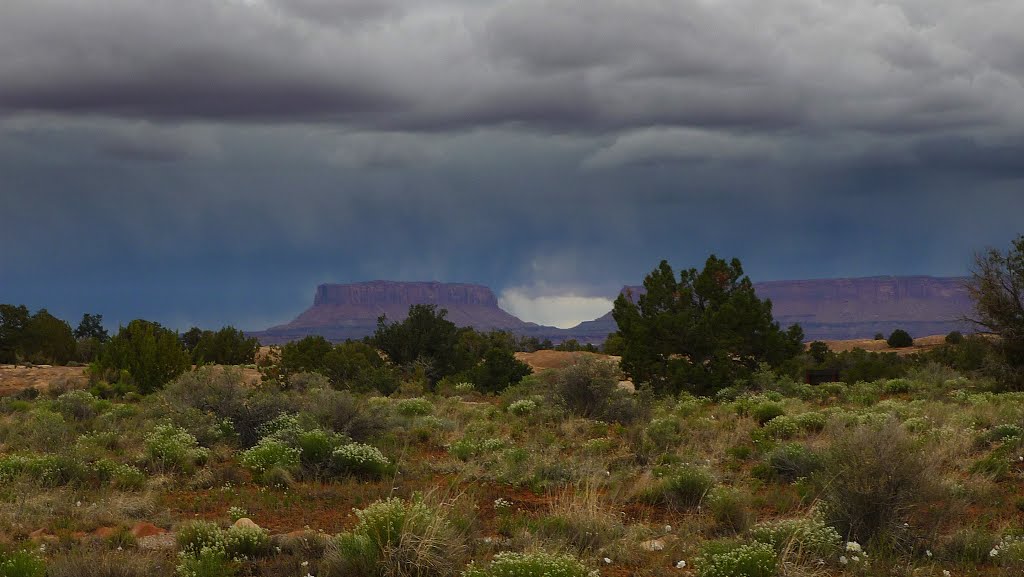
<point>701,332</point>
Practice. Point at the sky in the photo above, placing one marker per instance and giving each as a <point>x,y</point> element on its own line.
<point>209,162</point>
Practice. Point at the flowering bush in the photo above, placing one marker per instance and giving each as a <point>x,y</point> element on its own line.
<point>662,432</point>
<point>510,564</point>
<point>270,453</point>
<point>359,459</point>
<point>744,560</point>
<point>170,447</point>
<point>194,536</point>
<point>468,448</point>
<point>415,407</point>
<point>522,407</point>
<point>464,388</point>
<point>236,513</point>
<point>211,561</point>
<point>246,541</point>
<point>809,537</point>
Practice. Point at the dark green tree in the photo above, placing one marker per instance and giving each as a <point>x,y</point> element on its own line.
<point>91,327</point>
<point>49,339</point>
<point>424,337</point>
<point>228,346</point>
<point>145,353</point>
<point>700,332</point>
<point>305,355</point>
<point>190,338</point>
<point>13,321</point>
<point>997,288</point>
<point>359,367</point>
<point>819,351</point>
<point>499,369</point>
<point>900,339</point>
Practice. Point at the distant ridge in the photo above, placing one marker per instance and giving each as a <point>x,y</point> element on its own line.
<point>350,311</point>
<point>827,309</point>
<point>850,308</point>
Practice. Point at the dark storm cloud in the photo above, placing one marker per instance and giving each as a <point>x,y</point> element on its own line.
<point>211,161</point>
<point>569,64</point>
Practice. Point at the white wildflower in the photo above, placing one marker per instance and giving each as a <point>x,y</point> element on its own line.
<point>680,564</point>
<point>843,559</point>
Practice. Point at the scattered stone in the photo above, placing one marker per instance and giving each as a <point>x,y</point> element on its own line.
<point>142,530</point>
<point>42,536</point>
<point>162,542</point>
<point>653,545</point>
<point>245,523</point>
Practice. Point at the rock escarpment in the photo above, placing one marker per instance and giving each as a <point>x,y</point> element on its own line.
<point>850,308</point>
<point>350,311</point>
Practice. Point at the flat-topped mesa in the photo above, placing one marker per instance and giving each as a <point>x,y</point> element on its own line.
<point>847,308</point>
<point>408,293</point>
<point>350,311</point>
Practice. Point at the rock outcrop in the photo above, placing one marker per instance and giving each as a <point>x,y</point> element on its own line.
<point>350,311</point>
<point>827,309</point>
<point>849,308</point>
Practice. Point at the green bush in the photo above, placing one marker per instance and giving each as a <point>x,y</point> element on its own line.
<point>900,339</point>
<point>414,407</point>
<point>730,510</point>
<point>810,539</point>
<point>246,541</point>
<point>172,448</point>
<point>394,537</point>
<point>764,412</point>
<point>269,454</point>
<point>537,564</point>
<point>590,388</point>
<point>21,564</point>
<point>209,562</point>
<point>195,536</point>
<point>954,338</point>
<point>685,487</point>
<point>792,461</point>
<point>738,560</point>
<point>877,476</point>
<point>522,407</point>
<point>360,460</point>
<point>79,405</point>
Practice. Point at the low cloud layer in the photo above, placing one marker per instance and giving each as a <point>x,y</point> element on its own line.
<point>562,311</point>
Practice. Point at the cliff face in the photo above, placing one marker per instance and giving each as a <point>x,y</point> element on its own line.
<point>852,308</point>
<point>350,311</point>
<point>828,309</point>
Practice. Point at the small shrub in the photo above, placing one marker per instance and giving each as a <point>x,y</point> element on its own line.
<point>811,422</point>
<point>808,539</point>
<point>173,448</point>
<point>523,407</point>
<point>954,338</point>
<point>209,562</point>
<point>730,510</point>
<point>360,460</point>
<point>236,513</point>
<point>510,564</point>
<point>270,453</point>
<point>394,537</point>
<point>792,461</point>
<point>876,477</point>
<point>765,412</point>
<point>970,546</point>
<point>468,448</point>
<point>79,405</point>
<point>663,433</point>
<point>195,536</point>
<point>416,407</point>
<point>781,428</point>
<point>590,388</point>
<point>742,560</point>
<point>317,446</point>
<point>686,487</point>
<point>246,541</point>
